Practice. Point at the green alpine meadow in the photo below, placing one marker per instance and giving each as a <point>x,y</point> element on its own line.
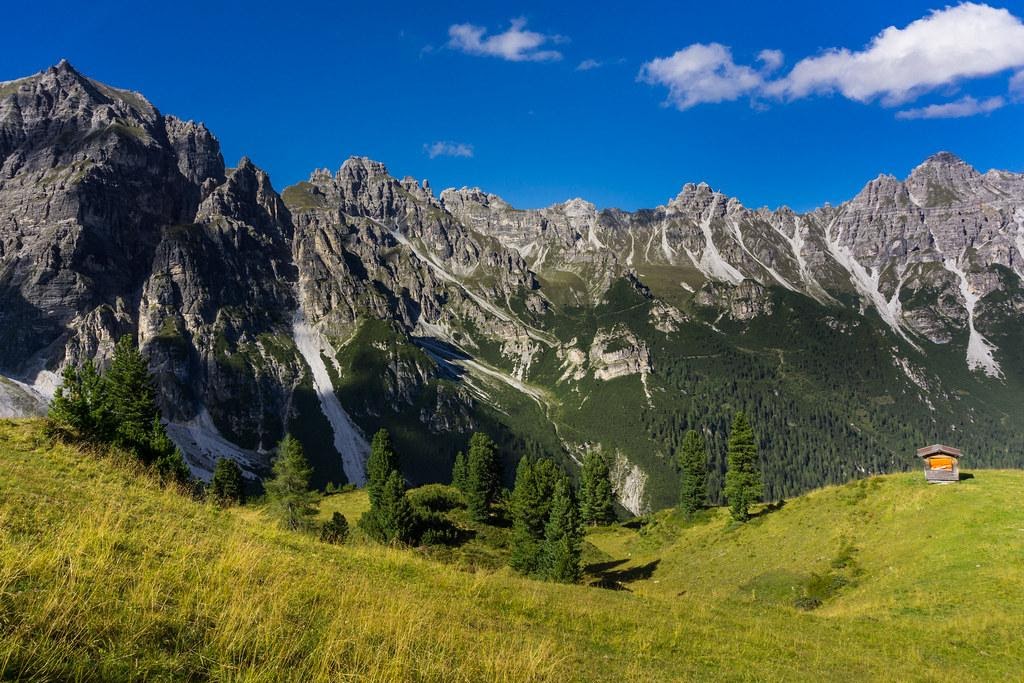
<point>511,342</point>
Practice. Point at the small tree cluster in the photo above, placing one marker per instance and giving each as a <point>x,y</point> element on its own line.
<point>119,408</point>
<point>391,518</point>
<point>546,531</point>
<point>289,498</point>
<point>693,461</point>
<point>743,486</point>
<point>597,499</point>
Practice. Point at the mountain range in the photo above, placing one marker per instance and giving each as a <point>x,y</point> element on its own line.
<point>356,300</point>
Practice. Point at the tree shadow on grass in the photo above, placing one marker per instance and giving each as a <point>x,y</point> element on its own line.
<point>768,509</point>
<point>608,576</point>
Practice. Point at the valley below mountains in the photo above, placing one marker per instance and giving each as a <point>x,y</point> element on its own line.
<point>356,300</point>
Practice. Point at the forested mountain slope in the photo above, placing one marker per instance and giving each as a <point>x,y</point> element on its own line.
<point>355,300</point>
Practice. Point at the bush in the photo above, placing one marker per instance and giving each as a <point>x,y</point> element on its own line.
<point>335,530</point>
<point>436,498</point>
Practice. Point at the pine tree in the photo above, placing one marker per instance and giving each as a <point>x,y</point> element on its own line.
<point>482,480</point>
<point>460,472</point>
<point>597,500</point>
<point>288,496</point>
<point>693,460</point>
<point>131,397</point>
<point>381,464</point>
<point>226,486</point>
<point>743,485</point>
<point>167,459</point>
<point>78,408</point>
<point>530,506</point>
<point>563,537</point>
<point>392,519</point>
<point>335,530</point>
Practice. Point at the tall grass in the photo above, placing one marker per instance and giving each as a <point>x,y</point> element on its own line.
<point>106,576</point>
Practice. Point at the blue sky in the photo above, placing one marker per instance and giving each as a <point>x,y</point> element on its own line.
<point>493,95</point>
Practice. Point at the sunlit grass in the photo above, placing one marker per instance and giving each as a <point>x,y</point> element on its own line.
<point>106,576</point>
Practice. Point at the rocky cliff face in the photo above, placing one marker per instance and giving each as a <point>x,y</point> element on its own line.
<point>118,220</point>
<point>356,300</point>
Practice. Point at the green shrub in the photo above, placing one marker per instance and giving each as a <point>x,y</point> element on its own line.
<point>436,498</point>
<point>335,530</point>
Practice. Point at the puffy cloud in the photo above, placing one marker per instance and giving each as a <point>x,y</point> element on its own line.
<point>965,106</point>
<point>771,59</point>
<point>700,74</point>
<point>515,45</point>
<point>939,50</point>
<point>448,149</point>
<point>947,46</point>
<point>588,64</point>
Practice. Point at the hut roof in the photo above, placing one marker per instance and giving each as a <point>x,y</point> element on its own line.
<point>938,449</point>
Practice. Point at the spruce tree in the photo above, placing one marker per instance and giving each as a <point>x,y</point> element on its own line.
<point>482,480</point>
<point>131,398</point>
<point>166,458</point>
<point>563,537</point>
<point>597,499</point>
<point>78,409</point>
<point>392,519</point>
<point>381,464</point>
<point>693,460</point>
<point>226,487</point>
<point>460,472</point>
<point>743,485</point>
<point>530,505</point>
<point>288,496</point>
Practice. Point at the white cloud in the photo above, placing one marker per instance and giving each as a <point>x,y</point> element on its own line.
<point>1017,86</point>
<point>939,50</point>
<point>448,149</point>
<point>771,59</point>
<point>947,46</point>
<point>588,64</point>
<point>515,45</point>
<point>701,73</point>
<point>965,106</point>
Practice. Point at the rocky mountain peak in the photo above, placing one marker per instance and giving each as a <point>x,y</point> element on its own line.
<point>697,200</point>
<point>943,170</point>
<point>578,208</point>
<point>360,168</point>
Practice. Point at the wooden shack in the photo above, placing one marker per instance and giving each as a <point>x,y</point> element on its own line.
<point>941,463</point>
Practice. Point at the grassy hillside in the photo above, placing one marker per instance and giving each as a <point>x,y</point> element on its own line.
<point>103,575</point>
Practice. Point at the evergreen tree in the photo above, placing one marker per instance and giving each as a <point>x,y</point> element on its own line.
<point>381,464</point>
<point>482,480</point>
<point>693,460</point>
<point>597,500</point>
<point>288,496</point>
<point>563,537</point>
<point>335,530</point>
<point>167,459</point>
<point>131,397</point>
<point>392,519</point>
<point>226,486</point>
<point>78,408</point>
<point>172,468</point>
<point>743,485</point>
<point>530,505</point>
<point>460,472</point>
